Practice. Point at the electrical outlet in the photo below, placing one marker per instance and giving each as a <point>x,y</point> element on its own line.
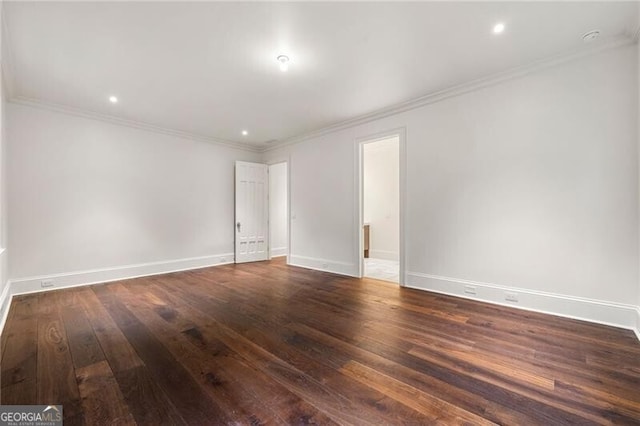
<point>46,283</point>
<point>223,259</point>
<point>469,289</point>
<point>510,296</point>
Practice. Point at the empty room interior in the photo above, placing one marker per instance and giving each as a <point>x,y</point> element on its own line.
<point>320,212</point>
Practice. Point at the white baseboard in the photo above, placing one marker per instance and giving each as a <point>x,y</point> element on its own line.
<point>5,303</point>
<point>607,313</point>
<point>325,265</point>
<point>72,279</point>
<point>384,254</point>
<point>95,276</point>
<point>279,251</point>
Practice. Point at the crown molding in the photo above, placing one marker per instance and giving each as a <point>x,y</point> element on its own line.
<point>634,31</point>
<point>460,89</point>
<point>78,112</point>
<point>434,97</point>
<point>8,78</point>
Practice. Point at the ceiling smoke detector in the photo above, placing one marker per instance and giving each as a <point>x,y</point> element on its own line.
<point>590,36</point>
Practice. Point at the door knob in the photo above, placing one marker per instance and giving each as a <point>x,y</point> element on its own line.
<point>238,226</point>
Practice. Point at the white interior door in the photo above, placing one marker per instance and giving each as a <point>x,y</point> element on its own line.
<point>252,212</point>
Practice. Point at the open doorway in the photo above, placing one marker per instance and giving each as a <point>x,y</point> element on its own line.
<point>278,208</point>
<point>380,197</point>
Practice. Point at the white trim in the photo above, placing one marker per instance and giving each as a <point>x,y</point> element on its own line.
<point>403,249</point>
<point>283,251</point>
<point>418,102</point>
<point>325,265</point>
<point>288,208</point>
<point>608,313</point>
<point>460,89</point>
<point>140,125</point>
<point>94,276</point>
<point>635,32</point>
<point>278,252</point>
<point>5,303</point>
<point>597,311</point>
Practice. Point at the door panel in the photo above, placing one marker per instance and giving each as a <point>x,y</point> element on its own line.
<point>252,221</point>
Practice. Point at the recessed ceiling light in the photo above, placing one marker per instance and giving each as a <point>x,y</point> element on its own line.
<point>591,35</point>
<point>498,28</point>
<point>113,99</point>
<point>284,62</point>
<point>245,133</point>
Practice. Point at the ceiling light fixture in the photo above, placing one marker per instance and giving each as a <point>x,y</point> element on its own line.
<point>590,36</point>
<point>284,62</point>
<point>245,133</point>
<point>498,28</point>
<point>113,99</point>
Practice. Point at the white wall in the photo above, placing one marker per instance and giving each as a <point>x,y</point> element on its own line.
<point>381,197</point>
<point>4,253</point>
<point>85,195</point>
<point>638,133</point>
<point>4,229</point>
<point>278,209</point>
<point>530,184</point>
<point>322,222</point>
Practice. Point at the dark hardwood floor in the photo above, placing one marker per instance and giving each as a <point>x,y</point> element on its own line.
<point>265,343</point>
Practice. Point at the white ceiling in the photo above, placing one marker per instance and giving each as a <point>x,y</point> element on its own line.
<point>209,68</point>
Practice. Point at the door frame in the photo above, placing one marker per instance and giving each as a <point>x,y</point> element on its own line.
<point>400,133</point>
<point>288,208</point>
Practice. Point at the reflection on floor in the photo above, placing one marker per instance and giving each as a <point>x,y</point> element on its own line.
<point>381,269</point>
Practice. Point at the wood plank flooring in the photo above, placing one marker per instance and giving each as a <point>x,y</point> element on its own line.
<point>265,343</point>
